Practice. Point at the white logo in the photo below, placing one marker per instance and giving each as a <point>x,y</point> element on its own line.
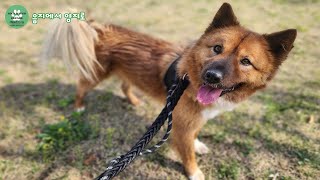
<point>16,15</point>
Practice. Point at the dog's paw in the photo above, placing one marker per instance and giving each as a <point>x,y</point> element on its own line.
<point>135,102</point>
<point>80,109</point>
<point>198,175</point>
<point>200,147</point>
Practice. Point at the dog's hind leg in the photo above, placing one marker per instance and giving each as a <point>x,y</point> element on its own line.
<point>127,90</point>
<point>84,86</point>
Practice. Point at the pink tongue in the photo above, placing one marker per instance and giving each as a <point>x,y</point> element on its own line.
<point>207,94</point>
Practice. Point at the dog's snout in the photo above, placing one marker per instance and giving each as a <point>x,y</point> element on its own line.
<point>213,76</point>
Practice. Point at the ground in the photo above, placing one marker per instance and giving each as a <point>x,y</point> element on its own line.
<point>274,135</point>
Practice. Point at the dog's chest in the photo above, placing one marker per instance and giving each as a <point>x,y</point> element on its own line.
<point>220,106</point>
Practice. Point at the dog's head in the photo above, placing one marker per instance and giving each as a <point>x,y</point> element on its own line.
<point>233,62</point>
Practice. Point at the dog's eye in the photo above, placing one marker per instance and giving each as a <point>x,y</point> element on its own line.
<point>217,49</point>
<point>245,62</point>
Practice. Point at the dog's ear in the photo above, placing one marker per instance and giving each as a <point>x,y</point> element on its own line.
<point>281,43</point>
<point>224,17</point>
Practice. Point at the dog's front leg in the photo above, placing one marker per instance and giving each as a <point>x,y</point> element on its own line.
<point>183,143</point>
<point>186,125</point>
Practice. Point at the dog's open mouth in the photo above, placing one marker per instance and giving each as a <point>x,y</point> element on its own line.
<point>208,94</point>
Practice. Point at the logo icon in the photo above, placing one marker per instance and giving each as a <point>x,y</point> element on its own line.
<point>16,16</point>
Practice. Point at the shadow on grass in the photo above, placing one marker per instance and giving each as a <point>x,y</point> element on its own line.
<point>116,123</point>
<point>163,161</point>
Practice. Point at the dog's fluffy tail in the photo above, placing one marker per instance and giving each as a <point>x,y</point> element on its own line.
<point>73,42</point>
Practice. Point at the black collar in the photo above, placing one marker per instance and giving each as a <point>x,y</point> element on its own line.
<point>171,75</point>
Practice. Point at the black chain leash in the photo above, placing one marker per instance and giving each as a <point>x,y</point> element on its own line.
<point>120,163</point>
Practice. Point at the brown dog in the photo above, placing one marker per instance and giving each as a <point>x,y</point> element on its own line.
<point>225,66</point>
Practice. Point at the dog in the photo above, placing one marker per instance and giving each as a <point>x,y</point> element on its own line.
<point>225,66</point>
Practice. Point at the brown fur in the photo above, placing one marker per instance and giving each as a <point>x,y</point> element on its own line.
<point>134,57</point>
<point>142,61</point>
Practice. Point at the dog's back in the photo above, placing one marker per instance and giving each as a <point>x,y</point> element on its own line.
<point>97,51</point>
<point>135,57</point>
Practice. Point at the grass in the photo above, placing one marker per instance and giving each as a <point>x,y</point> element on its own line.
<point>65,102</point>
<point>109,135</point>
<point>56,137</point>
<point>273,134</point>
<point>228,170</point>
<point>245,147</point>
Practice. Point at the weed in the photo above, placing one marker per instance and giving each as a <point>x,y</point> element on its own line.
<point>65,102</point>
<point>219,137</point>
<point>245,147</point>
<point>107,96</point>
<point>51,95</point>
<point>109,135</point>
<point>58,136</point>
<point>228,170</point>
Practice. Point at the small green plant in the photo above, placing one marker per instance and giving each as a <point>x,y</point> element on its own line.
<point>245,147</point>
<point>219,137</point>
<point>228,170</point>
<point>65,102</point>
<point>109,135</point>
<point>51,95</point>
<point>107,96</point>
<point>56,137</point>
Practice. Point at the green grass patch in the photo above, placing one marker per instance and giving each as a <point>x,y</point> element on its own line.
<point>246,147</point>
<point>109,135</point>
<point>58,136</point>
<point>65,102</point>
<point>107,96</point>
<point>51,95</point>
<point>219,137</point>
<point>228,170</point>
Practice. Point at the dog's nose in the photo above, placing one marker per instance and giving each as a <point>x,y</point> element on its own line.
<point>213,76</point>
